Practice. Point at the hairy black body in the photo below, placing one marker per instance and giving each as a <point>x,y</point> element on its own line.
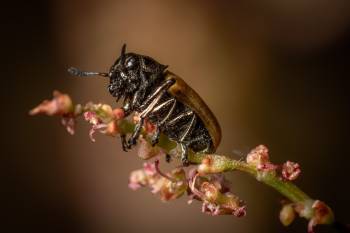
<point>142,84</point>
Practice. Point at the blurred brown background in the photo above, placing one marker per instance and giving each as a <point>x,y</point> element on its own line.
<point>274,73</point>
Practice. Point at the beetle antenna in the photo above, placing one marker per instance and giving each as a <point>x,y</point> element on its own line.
<point>76,72</point>
<point>122,53</point>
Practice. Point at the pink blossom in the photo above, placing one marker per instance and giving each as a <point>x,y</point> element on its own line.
<point>290,170</point>
<point>168,186</point>
<point>60,104</point>
<point>216,198</point>
<point>259,157</point>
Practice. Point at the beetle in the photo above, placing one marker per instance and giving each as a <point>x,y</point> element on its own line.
<point>163,98</point>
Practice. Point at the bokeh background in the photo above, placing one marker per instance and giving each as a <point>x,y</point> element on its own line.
<point>273,72</point>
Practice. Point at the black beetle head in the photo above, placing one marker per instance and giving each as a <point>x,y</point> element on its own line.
<point>130,72</point>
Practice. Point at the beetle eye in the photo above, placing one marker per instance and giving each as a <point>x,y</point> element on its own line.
<point>130,62</point>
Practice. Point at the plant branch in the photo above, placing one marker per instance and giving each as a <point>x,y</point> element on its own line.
<point>215,200</point>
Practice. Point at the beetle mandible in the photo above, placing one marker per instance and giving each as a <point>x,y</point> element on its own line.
<point>147,87</point>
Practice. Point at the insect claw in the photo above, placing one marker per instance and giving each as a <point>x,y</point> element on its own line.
<point>124,144</point>
<point>154,141</point>
<point>131,142</point>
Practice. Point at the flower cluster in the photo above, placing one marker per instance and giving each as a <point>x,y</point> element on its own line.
<point>259,157</point>
<point>60,105</point>
<point>101,116</point>
<point>316,211</point>
<point>169,186</point>
<point>205,182</point>
<point>215,194</point>
<point>211,190</point>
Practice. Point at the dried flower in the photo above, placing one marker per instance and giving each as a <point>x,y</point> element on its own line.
<point>322,215</point>
<point>217,200</point>
<point>96,122</point>
<point>103,112</point>
<point>169,186</point>
<point>103,119</point>
<point>60,104</point>
<point>259,155</point>
<point>290,170</point>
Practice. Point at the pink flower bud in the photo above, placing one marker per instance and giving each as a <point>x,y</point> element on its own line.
<point>290,170</point>
<point>169,186</point>
<point>118,113</point>
<point>111,129</point>
<point>259,155</point>
<point>60,104</point>
<point>137,179</point>
<point>217,200</point>
<point>92,118</point>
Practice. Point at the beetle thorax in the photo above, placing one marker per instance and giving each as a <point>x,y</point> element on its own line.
<point>132,73</point>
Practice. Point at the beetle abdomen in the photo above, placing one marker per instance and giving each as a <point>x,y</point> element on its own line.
<point>198,139</point>
<point>185,94</point>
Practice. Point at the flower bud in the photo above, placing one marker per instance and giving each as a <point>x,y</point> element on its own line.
<point>210,191</point>
<point>137,179</point>
<point>259,155</point>
<point>118,113</point>
<point>60,104</point>
<point>290,170</point>
<point>111,129</point>
<point>323,214</point>
<point>287,214</point>
<point>168,186</point>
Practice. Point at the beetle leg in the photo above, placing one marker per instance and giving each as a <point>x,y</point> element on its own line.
<point>184,147</point>
<point>137,98</point>
<point>179,117</point>
<point>148,106</point>
<point>127,108</point>
<point>155,137</point>
<point>124,144</point>
<point>136,134</point>
<point>184,154</point>
<point>143,115</point>
<point>164,86</point>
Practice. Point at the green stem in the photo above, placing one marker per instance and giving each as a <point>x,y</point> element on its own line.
<point>286,188</point>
